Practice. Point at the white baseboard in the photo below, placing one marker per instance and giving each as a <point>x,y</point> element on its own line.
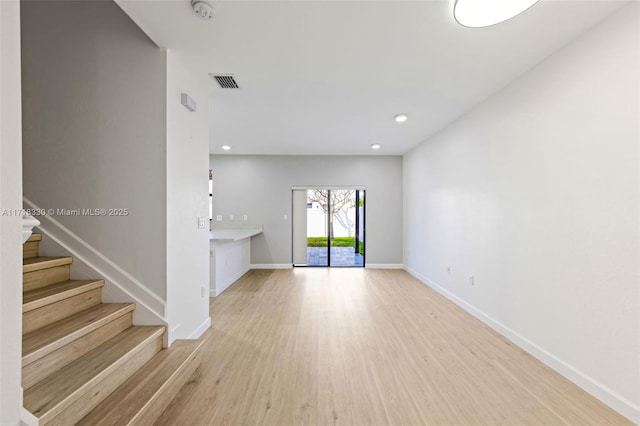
<point>384,266</point>
<point>592,386</point>
<point>120,286</point>
<point>28,419</point>
<point>271,266</point>
<point>201,329</point>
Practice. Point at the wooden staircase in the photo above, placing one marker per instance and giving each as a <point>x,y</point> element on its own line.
<point>83,362</point>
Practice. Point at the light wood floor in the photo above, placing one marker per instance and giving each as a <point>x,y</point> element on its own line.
<point>365,347</point>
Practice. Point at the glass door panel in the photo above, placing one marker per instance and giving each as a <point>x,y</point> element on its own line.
<point>328,227</point>
<point>318,208</point>
<point>344,228</point>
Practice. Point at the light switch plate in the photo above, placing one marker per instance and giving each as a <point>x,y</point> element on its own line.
<point>202,224</point>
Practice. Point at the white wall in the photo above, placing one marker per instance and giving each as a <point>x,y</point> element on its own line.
<point>187,250</point>
<point>535,193</point>
<point>260,186</point>
<point>94,104</point>
<point>10,226</point>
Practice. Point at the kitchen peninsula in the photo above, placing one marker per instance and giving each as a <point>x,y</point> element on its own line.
<point>230,256</point>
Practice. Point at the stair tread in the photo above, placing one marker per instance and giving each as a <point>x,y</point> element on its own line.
<point>53,336</point>
<point>56,292</point>
<point>44,262</point>
<point>122,406</point>
<point>50,396</point>
<point>34,237</point>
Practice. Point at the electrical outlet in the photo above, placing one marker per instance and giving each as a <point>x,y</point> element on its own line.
<point>219,218</point>
<point>230,217</point>
<point>246,217</point>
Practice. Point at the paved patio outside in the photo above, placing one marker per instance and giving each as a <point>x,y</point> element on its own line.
<point>340,256</point>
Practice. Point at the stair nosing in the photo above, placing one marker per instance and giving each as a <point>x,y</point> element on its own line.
<point>75,394</point>
<point>28,358</point>
<point>45,262</point>
<point>83,287</point>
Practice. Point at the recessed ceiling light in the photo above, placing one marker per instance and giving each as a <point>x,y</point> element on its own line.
<point>483,13</point>
<point>400,118</point>
<point>375,146</point>
<point>226,147</point>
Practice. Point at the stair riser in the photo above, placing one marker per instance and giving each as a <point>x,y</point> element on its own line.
<point>95,392</point>
<point>44,277</point>
<point>156,407</point>
<point>30,249</point>
<point>49,314</point>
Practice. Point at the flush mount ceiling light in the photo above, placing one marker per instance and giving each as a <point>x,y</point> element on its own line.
<point>202,8</point>
<point>375,146</point>
<point>400,118</point>
<point>226,147</point>
<point>483,13</point>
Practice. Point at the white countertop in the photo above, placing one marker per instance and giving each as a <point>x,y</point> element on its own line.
<point>232,234</point>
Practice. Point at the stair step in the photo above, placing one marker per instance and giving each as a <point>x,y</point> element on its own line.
<point>69,394</point>
<point>47,339</point>
<point>54,361</point>
<point>144,396</point>
<point>56,292</point>
<point>31,247</point>
<point>46,305</point>
<point>39,263</point>
<point>40,272</point>
<point>34,237</point>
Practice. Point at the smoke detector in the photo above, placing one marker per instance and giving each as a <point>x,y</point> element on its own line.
<point>202,8</point>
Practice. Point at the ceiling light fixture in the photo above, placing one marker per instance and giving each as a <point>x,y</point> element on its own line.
<point>483,13</point>
<point>226,147</point>
<point>400,118</point>
<point>202,8</point>
<point>375,146</point>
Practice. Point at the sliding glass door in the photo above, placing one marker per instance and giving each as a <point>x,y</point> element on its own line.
<point>328,227</point>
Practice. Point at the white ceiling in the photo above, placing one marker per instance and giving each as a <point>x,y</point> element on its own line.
<point>327,77</point>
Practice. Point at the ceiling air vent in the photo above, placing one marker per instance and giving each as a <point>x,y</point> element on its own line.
<point>226,81</point>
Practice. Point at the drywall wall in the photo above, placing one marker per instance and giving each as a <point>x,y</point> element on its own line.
<point>534,193</point>
<point>187,250</point>
<point>94,106</point>
<point>10,224</point>
<point>260,187</point>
